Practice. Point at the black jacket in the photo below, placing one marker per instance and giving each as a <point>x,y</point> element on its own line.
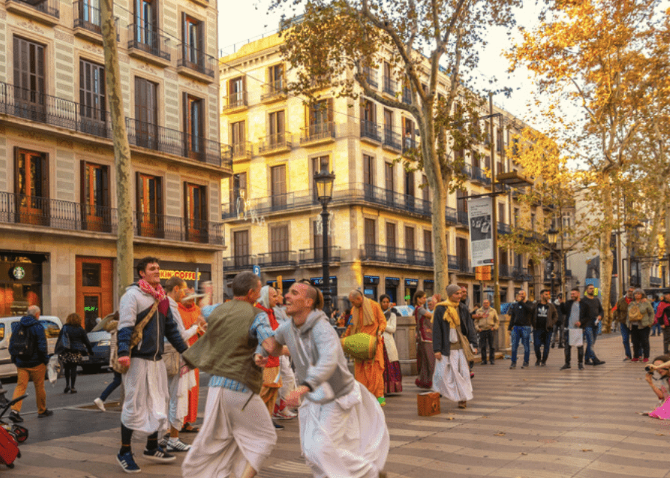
<point>552,316</point>
<point>594,308</point>
<point>520,314</point>
<point>441,342</point>
<point>78,340</point>
<point>40,352</point>
<point>566,307</point>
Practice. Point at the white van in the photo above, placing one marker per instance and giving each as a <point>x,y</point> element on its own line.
<point>52,326</point>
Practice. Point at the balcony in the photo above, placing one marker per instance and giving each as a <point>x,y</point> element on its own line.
<point>466,170</point>
<point>389,86</point>
<point>318,133</point>
<point>45,11</point>
<point>196,64</point>
<point>394,200</point>
<point>241,151</point>
<point>235,101</point>
<point>655,281</point>
<point>274,91</point>
<point>547,277</point>
<point>275,144</point>
<point>314,256</point>
<point>504,229</point>
<point>504,270</point>
<point>406,95</point>
<point>392,140</point>
<point>451,215</point>
<point>278,259</point>
<point>87,21</point>
<point>71,216</point>
<point>148,44</point>
<point>170,141</point>
<point>370,131</point>
<point>371,77</point>
<point>460,264</point>
<point>409,145</point>
<point>463,219</point>
<point>396,255</point>
<point>521,274</point>
<point>239,263</point>
<point>479,176</point>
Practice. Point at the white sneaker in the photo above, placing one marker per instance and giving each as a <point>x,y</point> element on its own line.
<point>177,445</point>
<point>100,404</point>
<point>285,414</point>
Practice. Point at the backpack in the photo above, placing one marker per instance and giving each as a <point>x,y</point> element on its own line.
<point>22,343</point>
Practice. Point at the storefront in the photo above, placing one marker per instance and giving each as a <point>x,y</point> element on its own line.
<point>370,284</point>
<point>429,287</point>
<point>318,282</point>
<point>411,285</point>
<point>20,282</point>
<point>391,288</point>
<point>188,271</point>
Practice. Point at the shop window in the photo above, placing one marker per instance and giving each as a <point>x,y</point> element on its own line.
<point>91,274</point>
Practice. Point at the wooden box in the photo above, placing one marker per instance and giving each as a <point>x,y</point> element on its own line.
<point>428,404</point>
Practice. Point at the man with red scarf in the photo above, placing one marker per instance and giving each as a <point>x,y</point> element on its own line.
<point>145,382</point>
<point>271,381</point>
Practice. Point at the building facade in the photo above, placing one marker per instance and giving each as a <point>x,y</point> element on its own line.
<point>380,229</point>
<point>58,184</point>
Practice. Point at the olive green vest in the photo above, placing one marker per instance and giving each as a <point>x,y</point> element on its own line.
<point>227,350</point>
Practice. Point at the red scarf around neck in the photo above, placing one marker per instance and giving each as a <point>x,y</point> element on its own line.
<point>157,293</point>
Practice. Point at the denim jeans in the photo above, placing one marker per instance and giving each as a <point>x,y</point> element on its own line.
<point>625,336</point>
<point>523,334</point>
<point>656,329</point>
<point>113,385</point>
<point>589,341</point>
<point>541,337</point>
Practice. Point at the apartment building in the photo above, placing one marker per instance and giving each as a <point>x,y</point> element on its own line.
<point>57,179</point>
<point>380,230</point>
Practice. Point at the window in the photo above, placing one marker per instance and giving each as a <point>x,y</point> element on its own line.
<point>95,197</point>
<point>368,171</point>
<point>91,273</point>
<point>322,163</point>
<point>462,253</point>
<point>500,142</point>
<point>320,117</point>
<point>388,121</point>
<point>317,240</point>
<point>499,167</point>
<point>237,91</point>
<point>278,186</point>
<point>276,125</point>
<point>241,248</point>
<point>149,205</point>
<point>407,133</point>
<point>409,238</point>
<point>238,139</point>
<point>370,236</point>
<point>279,244</point>
<point>195,212</point>
<point>276,78</point>
<point>92,91</point>
<point>461,202</point>
<point>501,213</point>
<point>29,81</point>
<point>146,113</point>
<point>193,47</point>
<point>146,25</point>
<point>390,235</point>
<point>193,125</point>
<point>31,186</point>
<point>238,187</point>
<point>428,241</point>
<point>516,217</point>
<point>88,15</point>
<point>389,182</point>
<point>409,183</point>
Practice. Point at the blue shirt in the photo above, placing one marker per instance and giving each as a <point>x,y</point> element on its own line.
<point>260,329</point>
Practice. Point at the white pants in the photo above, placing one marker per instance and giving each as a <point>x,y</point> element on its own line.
<point>178,406</point>
<point>287,377</point>
<point>452,377</point>
<point>345,438</point>
<point>146,392</point>
<point>230,437</point>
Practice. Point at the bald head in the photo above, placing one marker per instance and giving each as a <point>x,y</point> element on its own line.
<point>356,298</point>
<point>34,311</point>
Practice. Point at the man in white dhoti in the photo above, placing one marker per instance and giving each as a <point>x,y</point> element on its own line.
<point>237,433</point>
<point>145,382</point>
<point>343,432</point>
<point>452,373</point>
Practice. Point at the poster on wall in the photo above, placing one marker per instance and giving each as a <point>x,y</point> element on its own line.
<point>481,231</point>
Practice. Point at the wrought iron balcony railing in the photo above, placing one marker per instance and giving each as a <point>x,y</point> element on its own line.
<point>479,175</point>
<point>49,7</point>
<point>460,264</point>
<point>406,95</point>
<point>317,132</point>
<point>371,77</point>
<point>370,129</point>
<point>275,142</point>
<point>287,259</point>
<point>87,16</point>
<point>240,150</point>
<point>396,255</point>
<point>239,263</point>
<point>274,89</point>
<point>392,139</point>
<point>315,255</point>
<point>235,100</point>
<point>149,39</point>
<point>196,60</point>
<point>389,86</point>
<point>521,274</point>
<point>409,144</point>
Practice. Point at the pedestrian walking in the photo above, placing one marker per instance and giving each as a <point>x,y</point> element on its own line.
<point>663,317</point>
<point>343,432</point>
<point>367,317</point>
<point>450,334</point>
<point>145,320</point>
<point>595,309</point>
<point>486,324</point>
<point>392,373</point>
<point>656,327</point>
<point>575,314</point>
<point>71,345</point>
<point>466,317</point>
<point>425,356</point>
<point>640,318</point>
<point>282,411</point>
<point>237,433</point>
<point>543,318</point>
<point>28,351</point>
<point>191,315</point>
<point>520,326</point>
<point>559,326</point>
<point>111,324</point>
<point>621,316</point>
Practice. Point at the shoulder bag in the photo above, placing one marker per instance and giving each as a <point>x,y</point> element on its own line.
<point>135,339</point>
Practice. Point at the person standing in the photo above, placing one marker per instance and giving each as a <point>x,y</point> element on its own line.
<point>72,343</point>
<point>656,327</point>
<point>392,373</point>
<point>466,317</point>
<point>543,318</point>
<point>367,317</point>
<point>575,314</point>
<point>191,315</point>
<point>282,411</point>
<point>621,316</point>
<point>145,320</point>
<point>640,318</point>
<point>452,372</point>
<point>559,326</point>
<point>111,326</point>
<point>237,435</point>
<point>595,309</point>
<point>425,357</point>
<point>28,351</point>
<point>343,431</point>
<point>663,318</point>
<point>486,323</point>
<point>519,324</point>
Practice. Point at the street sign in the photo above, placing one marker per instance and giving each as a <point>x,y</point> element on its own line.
<point>483,273</point>
<point>257,270</point>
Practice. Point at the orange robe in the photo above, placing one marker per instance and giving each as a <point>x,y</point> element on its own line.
<point>371,372</point>
<point>189,315</point>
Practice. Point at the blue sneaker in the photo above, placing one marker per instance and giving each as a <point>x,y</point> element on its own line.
<point>127,462</point>
<point>158,455</point>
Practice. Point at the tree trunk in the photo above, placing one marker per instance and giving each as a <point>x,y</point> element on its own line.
<point>124,242</point>
<point>606,256</point>
<point>667,242</point>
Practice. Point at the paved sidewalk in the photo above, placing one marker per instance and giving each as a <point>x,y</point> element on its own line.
<point>534,423</point>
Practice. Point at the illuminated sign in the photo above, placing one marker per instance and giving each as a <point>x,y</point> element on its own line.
<point>18,272</point>
<point>185,275</point>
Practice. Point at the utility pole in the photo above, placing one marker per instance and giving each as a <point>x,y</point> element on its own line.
<point>124,241</point>
<point>494,212</point>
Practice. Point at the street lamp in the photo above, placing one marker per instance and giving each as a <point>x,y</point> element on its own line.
<point>552,238</point>
<point>324,190</point>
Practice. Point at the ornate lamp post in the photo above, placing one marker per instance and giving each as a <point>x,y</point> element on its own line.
<point>552,238</point>
<point>324,188</point>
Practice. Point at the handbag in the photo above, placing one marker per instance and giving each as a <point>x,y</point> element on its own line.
<point>634,314</point>
<point>360,346</point>
<point>135,339</point>
<point>576,337</point>
<point>467,350</point>
<point>172,360</point>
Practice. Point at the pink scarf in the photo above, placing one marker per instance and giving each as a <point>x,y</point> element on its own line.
<point>158,293</point>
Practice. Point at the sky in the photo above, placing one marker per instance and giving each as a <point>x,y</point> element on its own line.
<point>241,21</point>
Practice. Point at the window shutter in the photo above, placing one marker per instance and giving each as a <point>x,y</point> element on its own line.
<point>17,62</point>
<point>187,114</point>
<point>105,187</point>
<point>83,186</point>
<point>201,43</point>
<point>45,175</point>
<point>204,213</point>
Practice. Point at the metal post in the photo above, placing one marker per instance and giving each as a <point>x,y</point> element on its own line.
<point>494,214</point>
<point>326,260</point>
<point>552,274</point>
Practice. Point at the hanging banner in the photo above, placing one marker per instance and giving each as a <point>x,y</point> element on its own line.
<point>481,231</point>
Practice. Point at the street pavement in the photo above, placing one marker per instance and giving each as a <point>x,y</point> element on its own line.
<point>539,422</point>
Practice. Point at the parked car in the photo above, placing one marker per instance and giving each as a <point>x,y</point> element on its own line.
<point>52,326</point>
<point>100,340</point>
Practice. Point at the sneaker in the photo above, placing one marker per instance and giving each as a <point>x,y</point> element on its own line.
<point>158,455</point>
<point>581,367</point>
<point>645,361</point>
<point>67,390</point>
<point>492,362</point>
<point>163,442</point>
<point>543,364</point>
<point>47,413</point>
<point>600,362</point>
<point>15,417</point>
<point>566,366</point>
<point>537,363</point>
<point>483,362</point>
<point>127,462</point>
<point>512,365</point>
<point>100,404</point>
<point>634,360</point>
<point>626,359</point>
<point>177,446</point>
<point>73,390</point>
<point>588,362</point>
<point>525,364</point>
<point>285,414</point>
<point>278,426</point>
<point>472,375</point>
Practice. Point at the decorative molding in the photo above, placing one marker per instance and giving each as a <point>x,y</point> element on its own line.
<point>146,67</point>
<point>3,15</point>
<point>62,36</point>
<point>94,49</point>
<point>67,143</point>
<point>28,25</point>
<point>171,75</point>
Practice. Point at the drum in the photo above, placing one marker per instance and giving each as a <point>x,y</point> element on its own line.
<point>360,346</point>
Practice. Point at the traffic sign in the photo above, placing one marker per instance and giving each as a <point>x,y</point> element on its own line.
<point>257,270</point>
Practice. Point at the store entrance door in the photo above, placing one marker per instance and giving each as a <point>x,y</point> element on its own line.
<point>94,289</point>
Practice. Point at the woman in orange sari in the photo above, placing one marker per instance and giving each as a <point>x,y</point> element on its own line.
<point>190,313</point>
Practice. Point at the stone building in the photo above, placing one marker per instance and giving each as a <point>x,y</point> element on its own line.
<point>380,227</point>
<point>57,178</point>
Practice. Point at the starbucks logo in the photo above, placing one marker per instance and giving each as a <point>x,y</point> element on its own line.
<point>18,272</point>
